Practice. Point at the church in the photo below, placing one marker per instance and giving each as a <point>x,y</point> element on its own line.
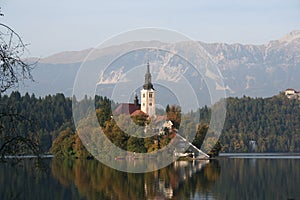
<point>147,105</point>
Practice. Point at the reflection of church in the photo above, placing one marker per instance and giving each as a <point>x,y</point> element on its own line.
<point>147,105</point>
<point>181,172</point>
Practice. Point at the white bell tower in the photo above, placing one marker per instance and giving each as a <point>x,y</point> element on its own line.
<point>148,95</point>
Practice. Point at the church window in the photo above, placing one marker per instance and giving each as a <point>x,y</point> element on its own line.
<point>143,95</point>
<point>150,95</point>
<point>150,104</point>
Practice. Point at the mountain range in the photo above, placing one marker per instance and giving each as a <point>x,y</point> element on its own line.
<point>251,70</point>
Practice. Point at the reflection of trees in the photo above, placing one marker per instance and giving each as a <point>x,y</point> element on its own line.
<point>258,179</point>
<point>95,180</point>
<point>62,170</point>
<point>26,181</point>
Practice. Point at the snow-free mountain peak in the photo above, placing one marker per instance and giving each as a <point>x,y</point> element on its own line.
<point>294,35</point>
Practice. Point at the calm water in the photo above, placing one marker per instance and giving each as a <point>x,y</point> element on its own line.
<point>233,176</point>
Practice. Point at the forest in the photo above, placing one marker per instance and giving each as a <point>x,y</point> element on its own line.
<point>273,123</point>
<point>251,124</point>
<point>39,118</point>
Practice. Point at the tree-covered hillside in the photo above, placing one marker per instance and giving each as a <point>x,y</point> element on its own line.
<point>38,118</point>
<point>273,123</point>
<point>251,125</point>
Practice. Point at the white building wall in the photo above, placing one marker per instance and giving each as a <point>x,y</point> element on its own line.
<point>290,92</point>
<point>148,102</point>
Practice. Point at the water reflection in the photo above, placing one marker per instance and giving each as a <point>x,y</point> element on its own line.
<point>181,180</point>
<point>258,178</point>
<point>225,178</point>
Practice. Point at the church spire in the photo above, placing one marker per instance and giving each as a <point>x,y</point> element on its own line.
<point>148,85</point>
<point>148,95</point>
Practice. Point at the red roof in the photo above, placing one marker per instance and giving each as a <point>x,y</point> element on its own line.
<point>290,89</point>
<point>138,112</point>
<point>126,108</point>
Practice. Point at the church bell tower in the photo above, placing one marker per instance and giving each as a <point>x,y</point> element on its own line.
<point>148,95</point>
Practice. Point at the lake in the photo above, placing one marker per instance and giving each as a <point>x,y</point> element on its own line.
<point>231,176</point>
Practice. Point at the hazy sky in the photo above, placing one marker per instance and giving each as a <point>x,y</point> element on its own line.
<point>53,26</point>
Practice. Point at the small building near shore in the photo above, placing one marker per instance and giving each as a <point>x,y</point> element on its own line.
<point>292,93</point>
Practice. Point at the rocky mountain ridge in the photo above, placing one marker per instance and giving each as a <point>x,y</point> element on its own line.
<point>253,70</point>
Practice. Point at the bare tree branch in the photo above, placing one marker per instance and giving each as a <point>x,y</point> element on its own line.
<point>13,69</point>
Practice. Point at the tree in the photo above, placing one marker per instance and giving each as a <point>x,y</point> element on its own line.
<point>13,70</point>
<point>140,119</point>
<point>63,144</point>
<point>135,144</point>
<point>200,135</point>
<point>174,114</point>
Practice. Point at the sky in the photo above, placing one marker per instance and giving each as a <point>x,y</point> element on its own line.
<point>52,26</point>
